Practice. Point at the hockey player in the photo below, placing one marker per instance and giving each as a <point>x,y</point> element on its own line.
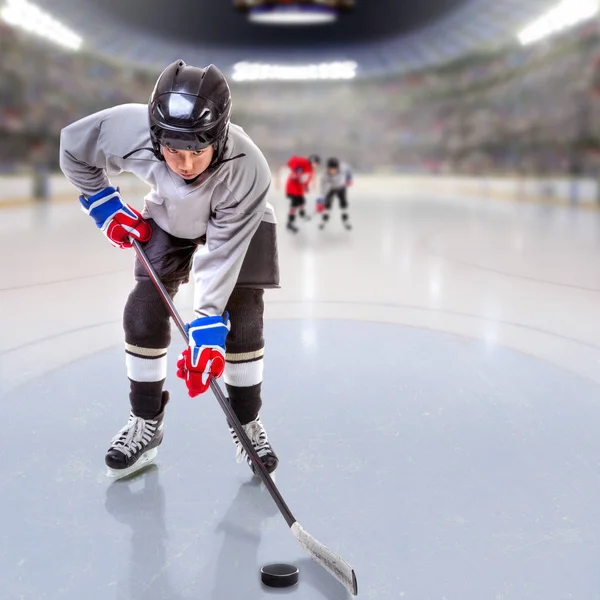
<point>335,181</point>
<point>208,186</point>
<point>298,183</point>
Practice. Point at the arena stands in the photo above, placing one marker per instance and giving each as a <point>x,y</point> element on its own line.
<point>532,109</point>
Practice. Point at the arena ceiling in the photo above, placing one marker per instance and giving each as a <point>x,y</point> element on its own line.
<point>383,36</point>
<point>215,22</point>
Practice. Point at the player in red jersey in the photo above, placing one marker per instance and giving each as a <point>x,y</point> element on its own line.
<point>300,176</point>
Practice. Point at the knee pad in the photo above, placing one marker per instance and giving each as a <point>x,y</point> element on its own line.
<point>146,318</point>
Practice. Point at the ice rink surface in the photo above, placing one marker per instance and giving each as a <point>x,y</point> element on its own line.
<point>431,387</point>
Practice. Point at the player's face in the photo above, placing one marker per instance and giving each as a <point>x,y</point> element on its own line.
<point>332,171</point>
<point>188,164</point>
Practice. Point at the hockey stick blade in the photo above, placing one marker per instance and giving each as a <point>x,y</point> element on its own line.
<point>327,559</point>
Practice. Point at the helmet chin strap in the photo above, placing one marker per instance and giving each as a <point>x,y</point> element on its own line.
<point>220,162</point>
<point>220,147</point>
<point>156,153</point>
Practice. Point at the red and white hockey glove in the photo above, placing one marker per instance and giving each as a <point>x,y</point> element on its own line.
<point>116,219</point>
<point>204,358</point>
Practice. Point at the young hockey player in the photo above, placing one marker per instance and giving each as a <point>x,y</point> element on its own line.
<point>299,179</point>
<point>208,186</point>
<point>335,181</point>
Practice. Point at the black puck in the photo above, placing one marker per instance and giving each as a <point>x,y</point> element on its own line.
<point>279,575</point>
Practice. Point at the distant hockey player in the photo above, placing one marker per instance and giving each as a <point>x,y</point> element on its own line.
<point>301,173</point>
<point>335,181</point>
<point>208,186</point>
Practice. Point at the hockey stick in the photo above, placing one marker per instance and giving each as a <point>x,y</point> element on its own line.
<point>322,555</point>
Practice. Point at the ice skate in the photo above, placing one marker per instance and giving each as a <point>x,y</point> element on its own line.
<point>258,436</point>
<point>136,445</point>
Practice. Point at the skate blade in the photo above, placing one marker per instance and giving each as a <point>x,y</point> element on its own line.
<point>145,460</point>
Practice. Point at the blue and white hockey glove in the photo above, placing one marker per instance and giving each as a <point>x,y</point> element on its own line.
<point>204,358</point>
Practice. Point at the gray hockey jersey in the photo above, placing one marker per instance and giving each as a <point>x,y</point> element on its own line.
<point>225,205</point>
<point>337,181</point>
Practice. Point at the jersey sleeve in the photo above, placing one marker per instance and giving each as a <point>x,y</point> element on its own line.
<point>83,156</point>
<point>308,175</point>
<point>348,175</point>
<point>229,232</point>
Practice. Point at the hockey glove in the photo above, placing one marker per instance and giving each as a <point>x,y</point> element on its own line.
<point>320,205</point>
<point>115,219</point>
<point>205,356</point>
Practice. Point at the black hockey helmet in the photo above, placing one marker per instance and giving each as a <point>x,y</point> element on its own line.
<point>315,158</point>
<point>190,109</point>
<point>333,163</point>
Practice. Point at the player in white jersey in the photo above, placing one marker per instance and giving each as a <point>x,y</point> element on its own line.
<point>335,181</point>
<point>205,211</point>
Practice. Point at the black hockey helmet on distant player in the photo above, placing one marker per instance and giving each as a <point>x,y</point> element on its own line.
<point>333,163</point>
<point>190,109</point>
<point>315,158</point>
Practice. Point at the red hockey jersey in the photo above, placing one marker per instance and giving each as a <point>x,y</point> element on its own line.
<point>300,176</point>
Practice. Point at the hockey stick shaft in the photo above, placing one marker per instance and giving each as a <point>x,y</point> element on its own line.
<point>221,398</point>
<point>333,563</point>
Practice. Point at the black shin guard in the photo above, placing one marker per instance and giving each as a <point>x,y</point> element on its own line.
<point>147,336</point>
<point>245,343</point>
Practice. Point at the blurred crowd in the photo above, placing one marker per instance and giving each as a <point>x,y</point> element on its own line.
<point>531,110</point>
<point>43,88</point>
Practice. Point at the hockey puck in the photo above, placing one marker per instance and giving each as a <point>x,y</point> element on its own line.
<point>279,575</point>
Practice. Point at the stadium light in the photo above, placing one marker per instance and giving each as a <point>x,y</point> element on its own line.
<point>292,15</point>
<point>293,12</point>
<point>31,18</point>
<point>245,71</point>
<point>564,15</point>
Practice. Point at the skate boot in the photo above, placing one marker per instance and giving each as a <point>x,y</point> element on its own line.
<point>346,221</point>
<point>291,227</point>
<point>136,445</point>
<point>258,436</point>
